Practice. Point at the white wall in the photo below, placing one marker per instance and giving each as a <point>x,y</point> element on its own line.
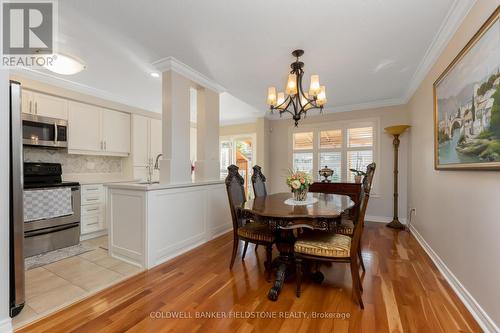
<point>380,207</point>
<point>457,211</point>
<point>5,323</point>
<point>234,111</point>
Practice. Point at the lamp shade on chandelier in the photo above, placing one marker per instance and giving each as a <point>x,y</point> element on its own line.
<point>296,101</point>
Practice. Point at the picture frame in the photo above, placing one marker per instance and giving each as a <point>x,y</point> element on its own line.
<point>467,104</point>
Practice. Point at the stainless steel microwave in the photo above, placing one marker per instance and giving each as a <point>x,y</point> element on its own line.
<point>44,131</point>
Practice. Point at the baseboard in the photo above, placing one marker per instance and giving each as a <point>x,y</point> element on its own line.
<point>95,234</point>
<point>482,318</point>
<point>221,230</point>
<point>6,326</point>
<point>383,219</point>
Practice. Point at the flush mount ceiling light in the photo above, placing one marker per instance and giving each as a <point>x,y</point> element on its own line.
<point>65,65</point>
<point>297,102</point>
<point>155,74</point>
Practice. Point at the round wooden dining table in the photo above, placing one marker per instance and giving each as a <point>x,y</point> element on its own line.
<point>283,218</point>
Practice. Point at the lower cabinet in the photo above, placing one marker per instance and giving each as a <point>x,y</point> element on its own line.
<point>93,219</point>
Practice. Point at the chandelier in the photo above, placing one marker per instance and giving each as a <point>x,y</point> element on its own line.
<point>296,101</point>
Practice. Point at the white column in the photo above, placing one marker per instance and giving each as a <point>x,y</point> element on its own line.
<point>207,136</point>
<point>175,166</point>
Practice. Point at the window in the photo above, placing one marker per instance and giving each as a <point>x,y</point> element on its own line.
<point>340,146</point>
<point>303,151</point>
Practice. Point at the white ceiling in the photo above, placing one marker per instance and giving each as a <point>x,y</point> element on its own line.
<point>367,52</point>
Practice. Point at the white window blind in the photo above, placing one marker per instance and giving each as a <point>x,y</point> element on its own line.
<point>340,146</point>
<point>330,139</point>
<point>303,141</point>
<point>333,160</point>
<point>303,162</point>
<point>360,137</point>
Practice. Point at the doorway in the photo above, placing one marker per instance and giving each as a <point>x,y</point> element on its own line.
<point>240,151</point>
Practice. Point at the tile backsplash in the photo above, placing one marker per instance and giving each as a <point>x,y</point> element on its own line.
<point>74,163</point>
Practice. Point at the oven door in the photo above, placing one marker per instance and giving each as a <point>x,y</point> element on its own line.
<point>44,131</point>
<point>58,221</point>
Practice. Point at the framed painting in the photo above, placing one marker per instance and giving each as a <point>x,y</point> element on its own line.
<point>467,104</point>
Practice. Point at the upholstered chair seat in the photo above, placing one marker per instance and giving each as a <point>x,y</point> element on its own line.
<point>256,231</point>
<point>346,227</point>
<point>323,244</point>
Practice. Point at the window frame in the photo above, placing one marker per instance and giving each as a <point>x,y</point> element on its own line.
<point>343,125</point>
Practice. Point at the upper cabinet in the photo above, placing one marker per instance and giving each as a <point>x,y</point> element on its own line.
<point>146,145</point>
<point>115,131</point>
<point>44,105</point>
<point>140,141</point>
<point>155,138</point>
<point>98,131</point>
<point>84,131</point>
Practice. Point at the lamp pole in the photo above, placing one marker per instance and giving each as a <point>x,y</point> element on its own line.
<point>396,131</point>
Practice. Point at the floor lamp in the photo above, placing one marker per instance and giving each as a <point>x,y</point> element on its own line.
<point>396,131</point>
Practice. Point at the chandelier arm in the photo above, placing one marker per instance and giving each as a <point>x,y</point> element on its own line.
<point>282,105</point>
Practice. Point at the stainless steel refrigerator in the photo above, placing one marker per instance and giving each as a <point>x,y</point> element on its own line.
<point>16,231</point>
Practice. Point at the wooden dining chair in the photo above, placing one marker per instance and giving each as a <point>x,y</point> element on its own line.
<point>334,247</point>
<point>243,229</point>
<point>259,182</point>
<point>346,226</point>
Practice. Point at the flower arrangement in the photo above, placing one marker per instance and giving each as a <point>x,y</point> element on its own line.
<point>299,182</point>
<point>358,175</point>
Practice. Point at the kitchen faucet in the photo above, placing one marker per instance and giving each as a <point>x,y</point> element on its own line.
<point>157,164</point>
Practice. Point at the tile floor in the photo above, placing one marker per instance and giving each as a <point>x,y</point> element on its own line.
<point>56,285</point>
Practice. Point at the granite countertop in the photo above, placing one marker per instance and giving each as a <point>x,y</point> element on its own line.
<point>99,178</point>
<point>155,187</point>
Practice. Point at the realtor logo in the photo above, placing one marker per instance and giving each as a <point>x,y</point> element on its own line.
<point>28,28</point>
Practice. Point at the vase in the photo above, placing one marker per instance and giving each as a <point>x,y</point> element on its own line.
<point>357,179</point>
<point>300,195</point>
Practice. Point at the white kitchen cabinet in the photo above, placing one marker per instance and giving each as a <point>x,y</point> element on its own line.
<point>140,145</point>
<point>155,138</point>
<point>84,132</point>
<point>146,145</point>
<point>83,127</point>
<point>115,131</point>
<point>27,101</point>
<point>44,105</point>
<point>96,131</point>
<point>50,106</point>
<point>93,211</point>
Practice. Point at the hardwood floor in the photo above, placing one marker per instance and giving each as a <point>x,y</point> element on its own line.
<point>403,292</point>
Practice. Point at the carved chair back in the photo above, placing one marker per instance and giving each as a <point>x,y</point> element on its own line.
<point>360,218</point>
<point>259,182</point>
<point>235,193</point>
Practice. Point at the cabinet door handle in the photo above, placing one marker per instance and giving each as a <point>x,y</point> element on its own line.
<point>30,106</point>
<point>36,108</point>
<point>102,148</point>
<point>105,145</point>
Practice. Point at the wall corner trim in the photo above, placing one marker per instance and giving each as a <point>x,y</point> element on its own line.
<point>172,64</point>
<point>6,326</point>
<point>482,318</point>
<point>450,25</point>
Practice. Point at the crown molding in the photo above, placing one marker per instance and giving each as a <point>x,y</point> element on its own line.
<point>172,64</point>
<point>122,103</point>
<point>381,103</point>
<point>450,25</point>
